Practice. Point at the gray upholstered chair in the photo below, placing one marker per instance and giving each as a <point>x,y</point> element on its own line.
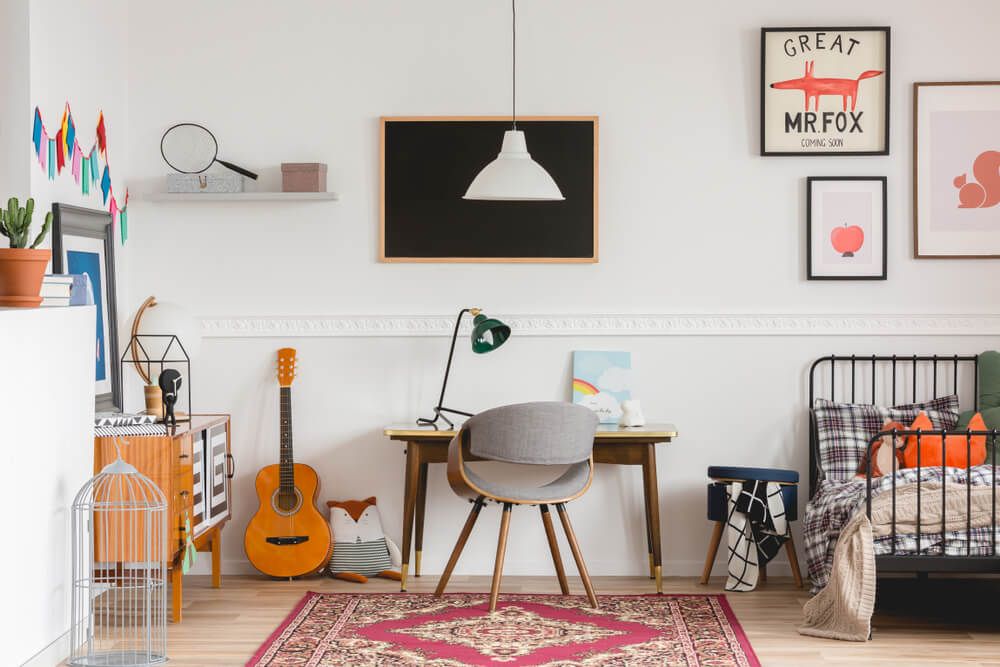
<point>529,434</point>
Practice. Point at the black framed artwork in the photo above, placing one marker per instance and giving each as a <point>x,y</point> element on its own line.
<point>427,163</point>
<point>824,91</point>
<point>846,226</point>
<point>83,243</point>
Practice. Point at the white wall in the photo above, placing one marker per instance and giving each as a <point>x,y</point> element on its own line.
<point>79,52</point>
<point>15,121</point>
<point>46,434</point>
<point>692,221</point>
<point>53,51</point>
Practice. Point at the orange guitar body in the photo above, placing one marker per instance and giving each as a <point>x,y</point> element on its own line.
<point>287,560</point>
<point>287,537</point>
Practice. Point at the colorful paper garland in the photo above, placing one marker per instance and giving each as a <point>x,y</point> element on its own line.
<point>64,150</point>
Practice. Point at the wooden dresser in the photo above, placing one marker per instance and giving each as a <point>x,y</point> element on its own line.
<point>193,466</point>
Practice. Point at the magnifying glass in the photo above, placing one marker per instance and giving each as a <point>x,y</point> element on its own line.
<point>191,149</point>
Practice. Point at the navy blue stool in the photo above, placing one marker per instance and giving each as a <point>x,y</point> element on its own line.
<point>718,508</point>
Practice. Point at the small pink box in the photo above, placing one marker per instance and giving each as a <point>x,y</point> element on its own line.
<point>303,177</point>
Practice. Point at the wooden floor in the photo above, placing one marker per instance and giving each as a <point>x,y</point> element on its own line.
<point>935,622</point>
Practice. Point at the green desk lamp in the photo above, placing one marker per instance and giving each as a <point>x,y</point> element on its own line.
<point>487,335</point>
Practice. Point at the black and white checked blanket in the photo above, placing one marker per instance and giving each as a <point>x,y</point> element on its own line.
<point>836,501</point>
<point>755,530</point>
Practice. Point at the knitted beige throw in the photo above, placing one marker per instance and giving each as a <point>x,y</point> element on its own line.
<point>843,609</point>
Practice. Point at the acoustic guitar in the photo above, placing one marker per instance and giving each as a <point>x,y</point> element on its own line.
<point>287,537</point>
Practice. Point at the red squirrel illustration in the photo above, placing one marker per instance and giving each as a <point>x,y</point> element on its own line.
<point>984,192</point>
<point>815,88</point>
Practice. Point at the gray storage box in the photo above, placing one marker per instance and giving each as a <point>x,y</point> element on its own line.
<point>204,183</point>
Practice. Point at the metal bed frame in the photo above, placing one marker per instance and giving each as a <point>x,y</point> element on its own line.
<point>894,368</point>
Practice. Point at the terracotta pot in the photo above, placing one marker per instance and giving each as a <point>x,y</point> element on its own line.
<point>21,273</point>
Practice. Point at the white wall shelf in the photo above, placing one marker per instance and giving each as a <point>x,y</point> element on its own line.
<point>241,196</point>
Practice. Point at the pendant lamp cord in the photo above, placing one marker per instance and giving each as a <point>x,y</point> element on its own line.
<point>513,63</point>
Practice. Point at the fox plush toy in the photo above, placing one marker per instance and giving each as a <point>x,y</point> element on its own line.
<point>360,548</point>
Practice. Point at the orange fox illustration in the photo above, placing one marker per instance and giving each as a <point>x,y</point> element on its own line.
<point>815,88</point>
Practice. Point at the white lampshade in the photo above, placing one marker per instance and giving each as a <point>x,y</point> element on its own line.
<point>513,175</point>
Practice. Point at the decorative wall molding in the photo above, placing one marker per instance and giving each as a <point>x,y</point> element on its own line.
<point>610,325</point>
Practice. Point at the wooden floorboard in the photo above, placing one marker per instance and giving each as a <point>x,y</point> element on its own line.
<point>937,622</point>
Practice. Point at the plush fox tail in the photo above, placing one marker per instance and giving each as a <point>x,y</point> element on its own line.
<point>869,74</point>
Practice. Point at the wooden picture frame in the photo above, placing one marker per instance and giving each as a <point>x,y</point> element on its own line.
<point>83,237</point>
<point>842,127</point>
<point>485,153</point>
<point>839,210</point>
<point>954,215</point>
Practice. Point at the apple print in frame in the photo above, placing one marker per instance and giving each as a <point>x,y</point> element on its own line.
<point>846,228</point>
<point>824,91</point>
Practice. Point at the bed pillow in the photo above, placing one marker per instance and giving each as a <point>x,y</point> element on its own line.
<point>844,429</point>
<point>955,446</point>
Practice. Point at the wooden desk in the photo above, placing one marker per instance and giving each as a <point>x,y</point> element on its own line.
<point>613,444</point>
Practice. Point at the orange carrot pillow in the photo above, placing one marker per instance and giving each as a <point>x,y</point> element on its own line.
<point>955,446</point>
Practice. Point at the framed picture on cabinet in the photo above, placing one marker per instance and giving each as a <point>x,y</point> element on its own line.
<point>846,227</point>
<point>956,170</point>
<point>83,242</point>
<point>824,91</point>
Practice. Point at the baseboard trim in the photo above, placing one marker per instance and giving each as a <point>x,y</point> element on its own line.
<point>53,654</point>
<point>598,568</point>
<point>611,325</point>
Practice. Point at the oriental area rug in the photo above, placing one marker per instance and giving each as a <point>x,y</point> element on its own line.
<point>327,629</point>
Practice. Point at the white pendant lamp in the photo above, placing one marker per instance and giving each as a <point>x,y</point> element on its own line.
<point>513,175</point>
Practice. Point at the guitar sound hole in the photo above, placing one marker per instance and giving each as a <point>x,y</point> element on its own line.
<point>286,503</point>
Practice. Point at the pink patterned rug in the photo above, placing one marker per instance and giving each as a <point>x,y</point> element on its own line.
<point>327,629</point>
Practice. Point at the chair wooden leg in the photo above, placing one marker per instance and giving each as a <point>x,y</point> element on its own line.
<point>713,549</point>
<point>577,556</point>
<point>501,552</point>
<point>793,560</point>
<point>463,537</point>
<point>550,533</point>
<point>763,574</point>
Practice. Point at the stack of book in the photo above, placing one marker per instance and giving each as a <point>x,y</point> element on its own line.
<point>67,290</point>
<point>56,290</point>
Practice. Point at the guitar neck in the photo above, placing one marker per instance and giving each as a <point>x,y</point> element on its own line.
<point>286,462</point>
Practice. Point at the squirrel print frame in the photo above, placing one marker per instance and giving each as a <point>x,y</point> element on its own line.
<point>824,91</point>
<point>956,170</point>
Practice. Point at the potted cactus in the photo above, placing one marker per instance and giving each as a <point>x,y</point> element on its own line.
<point>22,266</point>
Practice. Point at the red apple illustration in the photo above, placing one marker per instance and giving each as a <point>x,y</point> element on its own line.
<point>847,240</point>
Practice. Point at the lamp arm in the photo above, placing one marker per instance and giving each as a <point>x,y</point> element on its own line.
<point>451,354</point>
<point>144,374</point>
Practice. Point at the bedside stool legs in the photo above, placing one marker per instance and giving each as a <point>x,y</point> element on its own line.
<point>713,548</point>
<point>793,560</point>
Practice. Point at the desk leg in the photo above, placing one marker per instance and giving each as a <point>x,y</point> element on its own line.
<point>412,476</point>
<point>652,495</point>
<point>418,538</point>
<point>649,526</point>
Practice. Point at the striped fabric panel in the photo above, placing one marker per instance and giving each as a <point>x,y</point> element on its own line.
<point>138,429</point>
<point>367,558</point>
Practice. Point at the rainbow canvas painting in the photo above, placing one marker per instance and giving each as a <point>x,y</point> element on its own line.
<point>601,381</point>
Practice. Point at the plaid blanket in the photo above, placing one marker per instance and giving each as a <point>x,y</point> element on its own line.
<point>837,501</point>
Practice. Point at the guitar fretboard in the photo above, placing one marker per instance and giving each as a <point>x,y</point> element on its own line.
<point>286,465</point>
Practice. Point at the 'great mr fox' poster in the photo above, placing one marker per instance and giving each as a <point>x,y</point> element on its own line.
<point>824,91</point>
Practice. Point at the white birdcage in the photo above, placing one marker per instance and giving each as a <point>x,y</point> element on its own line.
<point>119,570</point>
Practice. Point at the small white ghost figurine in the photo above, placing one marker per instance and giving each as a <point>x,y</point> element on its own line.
<point>632,414</point>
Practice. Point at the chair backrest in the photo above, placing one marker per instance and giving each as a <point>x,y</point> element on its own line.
<point>538,433</point>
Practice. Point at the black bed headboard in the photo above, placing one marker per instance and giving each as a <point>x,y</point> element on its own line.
<point>888,380</point>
